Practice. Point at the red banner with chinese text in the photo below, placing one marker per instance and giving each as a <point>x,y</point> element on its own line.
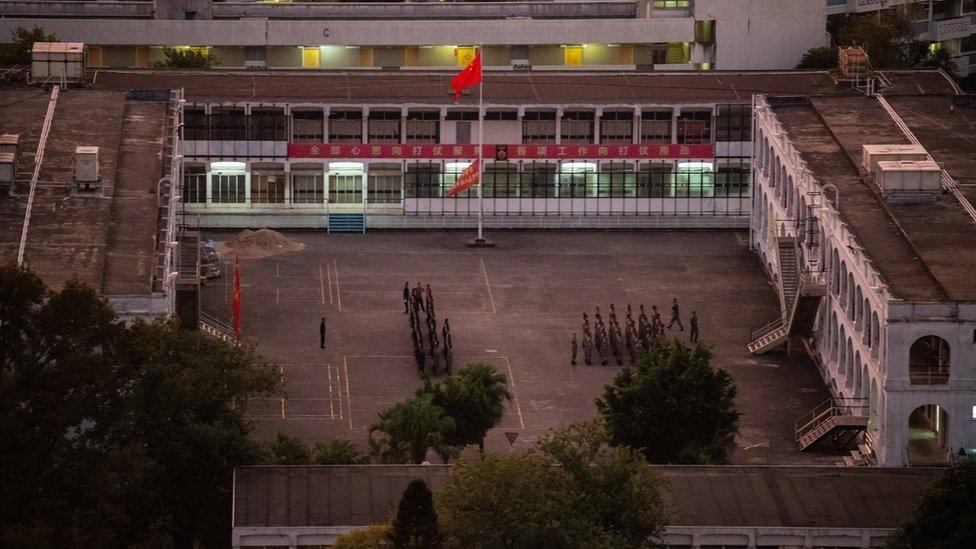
<point>499,152</point>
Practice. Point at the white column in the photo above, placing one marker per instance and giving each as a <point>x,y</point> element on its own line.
<point>596,124</point>
<point>559,125</point>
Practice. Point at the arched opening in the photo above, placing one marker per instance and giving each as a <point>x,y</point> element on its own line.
<point>850,367</point>
<point>928,361</point>
<point>843,284</point>
<point>928,436</point>
<point>873,406</point>
<point>842,359</point>
<point>858,309</point>
<point>850,297</point>
<point>875,332</point>
<point>835,271</point>
<point>858,374</point>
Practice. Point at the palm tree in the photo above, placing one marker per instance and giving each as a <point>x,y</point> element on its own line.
<point>414,425</point>
<point>475,398</point>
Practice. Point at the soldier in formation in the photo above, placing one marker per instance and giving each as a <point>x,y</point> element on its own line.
<point>420,299</point>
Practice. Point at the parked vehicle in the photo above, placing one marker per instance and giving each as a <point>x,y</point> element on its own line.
<point>209,259</point>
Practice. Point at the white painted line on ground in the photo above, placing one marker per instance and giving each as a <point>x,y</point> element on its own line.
<point>348,394</point>
<point>335,265</point>
<point>321,284</point>
<point>281,371</point>
<point>277,272</point>
<point>328,368</point>
<point>328,274</point>
<point>488,285</point>
<point>518,408</point>
<point>379,356</point>
<point>277,295</point>
<point>339,386</point>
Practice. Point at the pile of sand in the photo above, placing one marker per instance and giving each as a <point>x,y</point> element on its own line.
<point>261,243</point>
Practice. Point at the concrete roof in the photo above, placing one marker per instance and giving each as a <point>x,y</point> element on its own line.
<point>925,252</point>
<point>105,241</point>
<point>358,495</point>
<point>396,87</point>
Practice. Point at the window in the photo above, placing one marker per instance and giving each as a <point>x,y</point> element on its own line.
<point>659,54</point>
<point>227,188</point>
<point>617,180</point>
<point>733,123</point>
<point>539,127</point>
<point>383,187</point>
<point>423,127</point>
<point>228,124</point>
<point>693,180</point>
<point>654,180</point>
<point>195,124</point>
<point>538,180</point>
<point>694,127</point>
<point>422,180</point>
<point>194,184</point>
<point>968,6</point>
<point>310,58</point>
<point>573,55</point>
<point>577,127</point>
<point>307,188</point>
<point>577,180</point>
<point>453,170</point>
<point>306,127</point>
<point>617,127</point>
<point>732,180</point>
<point>346,127</point>
<point>384,126</point>
<point>267,188</point>
<point>501,115</point>
<point>655,126</point>
<point>500,180</point>
<point>968,43</point>
<point>267,125</point>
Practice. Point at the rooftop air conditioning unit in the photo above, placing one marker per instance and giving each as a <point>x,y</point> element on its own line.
<point>86,167</point>
<point>8,169</point>
<point>872,154</point>
<point>9,142</point>
<point>57,62</point>
<point>910,180</point>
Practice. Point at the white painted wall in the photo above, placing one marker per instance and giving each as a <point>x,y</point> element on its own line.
<point>764,34</point>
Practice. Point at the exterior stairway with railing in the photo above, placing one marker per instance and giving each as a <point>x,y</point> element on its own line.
<point>800,292</point>
<point>217,327</point>
<point>834,416</point>
<point>346,223</point>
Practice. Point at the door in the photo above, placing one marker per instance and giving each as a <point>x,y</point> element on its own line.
<point>346,192</point>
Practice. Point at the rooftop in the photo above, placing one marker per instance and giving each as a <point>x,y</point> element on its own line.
<point>925,252</point>
<point>532,88</point>
<point>738,496</point>
<point>104,240</point>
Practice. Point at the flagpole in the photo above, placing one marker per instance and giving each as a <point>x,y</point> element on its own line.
<point>481,144</point>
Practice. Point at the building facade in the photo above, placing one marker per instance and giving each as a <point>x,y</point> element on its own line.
<point>948,24</point>
<point>540,35</point>
<point>878,285</point>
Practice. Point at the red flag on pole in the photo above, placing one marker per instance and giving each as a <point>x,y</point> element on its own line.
<point>235,300</point>
<point>469,76</point>
<point>467,179</point>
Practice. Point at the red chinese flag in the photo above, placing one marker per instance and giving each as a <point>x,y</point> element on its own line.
<point>235,300</point>
<point>467,179</point>
<point>469,76</point>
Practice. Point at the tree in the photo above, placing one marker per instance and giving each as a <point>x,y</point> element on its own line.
<point>19,52</point>
<point>614,487</point>
<point>415,524</point>
<point>885,36</point>
<point>338,452</point>
<point>475,399</point>
<point>572,490</point>
<point>188,58</point>
<point>412,426</point>
<point>506,500</point>
<point>673,406</point>
<point>946,515</point>
<point>116,435</point>
<point>288,450</point>
<point>371,538</point>
<point>819,58</point>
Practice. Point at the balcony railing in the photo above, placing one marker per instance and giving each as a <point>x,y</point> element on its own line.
<point>928,376</point>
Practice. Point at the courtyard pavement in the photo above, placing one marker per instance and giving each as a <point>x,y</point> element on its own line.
<point>515,307</point>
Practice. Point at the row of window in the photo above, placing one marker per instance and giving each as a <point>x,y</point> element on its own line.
<point>731,123</point>
<point>427,180</point>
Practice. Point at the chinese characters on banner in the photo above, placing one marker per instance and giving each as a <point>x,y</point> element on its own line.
<point>499,152</point>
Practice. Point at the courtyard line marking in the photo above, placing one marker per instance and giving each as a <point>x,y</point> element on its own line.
<point>328,368</point>
<point>518,408</point>
<point>488,285</point>
<point>335,266</point>
<point>277,272</point>
<point>328,274</point>
<point>277,295</point>
<point>321,284</point>
<point>380,356</point>
<point>281,371</point>
<point>348,394</point>
<point>339,389</point>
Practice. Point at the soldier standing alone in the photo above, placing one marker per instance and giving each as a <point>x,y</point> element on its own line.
<point>406,298</point>
<point>322,334</point>
<point>694,327</point>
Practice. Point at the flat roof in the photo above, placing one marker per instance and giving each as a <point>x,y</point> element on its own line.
<point>106,241</point>
<point>925,252</point>
<point>518,88</point>
<point>743,496</point>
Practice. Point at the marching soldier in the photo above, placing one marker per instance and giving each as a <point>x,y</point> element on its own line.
<point>656,321</point>
<point>446,335</point>
<point>613,314</point>
<point>601,343</point>
<point>694,327</point>
<point>572,361</point>
<point>406,298</point>
<point>448,359</point>
<point>675,315</point>
<point>587,348</point>
<point>599,319</point>
<point>615,345</point>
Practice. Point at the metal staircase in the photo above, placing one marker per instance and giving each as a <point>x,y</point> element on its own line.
<point>800,292</point>
<point>346,223</point>
<point>838,417</point>
<point>217,328</point>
